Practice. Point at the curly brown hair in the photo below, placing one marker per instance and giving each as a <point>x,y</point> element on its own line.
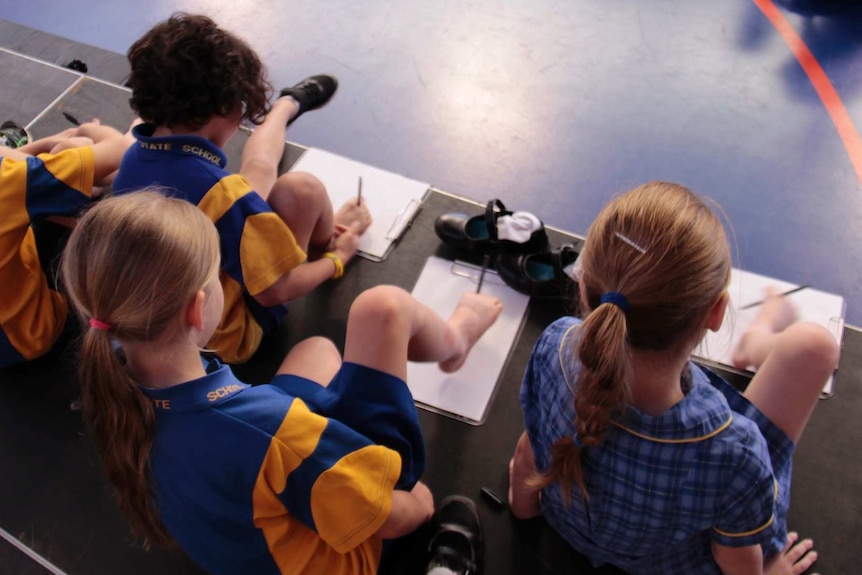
<point>186,70</point>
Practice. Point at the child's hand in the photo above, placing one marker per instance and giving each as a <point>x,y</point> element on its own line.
<point>795,559</point>
<point>347,242</point>
<point>351,213</point>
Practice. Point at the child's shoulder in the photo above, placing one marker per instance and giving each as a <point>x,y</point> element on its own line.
<point>736,432</point>
<point>561,328</point>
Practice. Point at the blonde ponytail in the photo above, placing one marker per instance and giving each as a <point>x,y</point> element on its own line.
<point>655,261</point>
<point>131,265</point>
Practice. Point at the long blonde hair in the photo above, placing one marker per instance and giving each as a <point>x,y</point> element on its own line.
<point>131,265</point>
<point>665,251</point>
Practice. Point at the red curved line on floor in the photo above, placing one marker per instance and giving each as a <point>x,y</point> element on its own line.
<point>822,85</point>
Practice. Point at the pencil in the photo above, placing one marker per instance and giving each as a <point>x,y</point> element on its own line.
<point>359,192</point>
<point>492,497</point>
<point>72,119</point>
<point>485,261</point>
<point>788,292</point>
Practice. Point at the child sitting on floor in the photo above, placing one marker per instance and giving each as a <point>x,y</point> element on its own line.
<point>193,84</point>
<point>50,179</point>
<point>306,474</point>
<point>639,457</point>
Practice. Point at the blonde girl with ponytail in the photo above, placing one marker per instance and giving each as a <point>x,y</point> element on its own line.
<point>639,457</point>
<point>307,474</point>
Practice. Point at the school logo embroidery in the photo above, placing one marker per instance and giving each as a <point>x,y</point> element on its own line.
<point>221,392</point>
<point>205,154</point>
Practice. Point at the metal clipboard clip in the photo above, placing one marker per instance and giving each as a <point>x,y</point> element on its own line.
<point>473,271</point>
<point>402,220</point>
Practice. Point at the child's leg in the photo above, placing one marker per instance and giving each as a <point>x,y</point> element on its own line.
<point>387,326</point>
<point>793,363</point>
<point>263,151</point>
<point>264,148</point>
<point>300,199</point>
<point>315,358</point>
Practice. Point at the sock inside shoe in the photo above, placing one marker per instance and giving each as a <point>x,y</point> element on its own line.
<point>519,227</point>
<point>477,229</point>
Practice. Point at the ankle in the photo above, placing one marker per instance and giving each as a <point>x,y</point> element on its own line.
<point>290,102</point>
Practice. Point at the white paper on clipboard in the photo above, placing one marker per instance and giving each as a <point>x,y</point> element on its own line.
<point>467,393</point>
<point>745,288</point>
<point>393,200</point>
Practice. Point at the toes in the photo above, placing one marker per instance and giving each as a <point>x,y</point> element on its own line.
<point>803,564</point>
<point>800,549</point>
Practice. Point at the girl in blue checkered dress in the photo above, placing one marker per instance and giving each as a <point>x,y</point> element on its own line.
<point>634,454</point>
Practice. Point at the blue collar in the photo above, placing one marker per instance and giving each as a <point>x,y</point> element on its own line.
<point>702,413</point>
<point>216,386</point>
<point>182,145</point>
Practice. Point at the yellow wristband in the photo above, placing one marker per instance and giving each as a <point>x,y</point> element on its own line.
<point>339,265</point>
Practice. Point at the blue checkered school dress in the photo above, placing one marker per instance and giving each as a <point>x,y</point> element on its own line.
<point>660,488</point>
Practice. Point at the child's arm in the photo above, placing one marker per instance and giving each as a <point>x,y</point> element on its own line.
<point>46,144</point>
<point>108,153</point>
<point>410,509</point>
<point>13,154</point>
<point>523,500</point>
<point>108,144</point>
<point>98,132</point>
<point>304,278</point>
<point>795,559</point>
<point>738,560</point>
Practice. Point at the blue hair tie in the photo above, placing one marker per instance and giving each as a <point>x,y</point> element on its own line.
<point>576,440</point>
<point>617,299</point>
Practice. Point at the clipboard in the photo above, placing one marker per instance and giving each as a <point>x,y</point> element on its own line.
<point>393,200</point>
<point>466,394</point>
<point>745,289</point>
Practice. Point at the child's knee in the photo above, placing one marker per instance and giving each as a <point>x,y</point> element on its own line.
<point>299,192</point>
<point>302,185</point>
<point>380,303</point>
<point>811,345</point>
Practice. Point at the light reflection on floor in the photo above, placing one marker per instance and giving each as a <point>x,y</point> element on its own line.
<point>553,106</point>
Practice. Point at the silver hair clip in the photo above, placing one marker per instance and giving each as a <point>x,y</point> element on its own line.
<point>629,242</point>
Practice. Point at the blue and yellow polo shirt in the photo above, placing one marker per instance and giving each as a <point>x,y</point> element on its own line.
<point>249,480</point>
<point>257,247</point>
<point>32,312</point>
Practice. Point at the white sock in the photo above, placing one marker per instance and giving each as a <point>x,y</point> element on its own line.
<point>518,227</point>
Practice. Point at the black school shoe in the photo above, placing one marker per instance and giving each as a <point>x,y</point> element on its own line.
<point>479,233</point>
<point>540,275</point>
<point>14,135</point>
<point>458,544</point>
<point>312,93</point>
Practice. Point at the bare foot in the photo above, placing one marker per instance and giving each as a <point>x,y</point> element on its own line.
<point>775,315</point>
<point>350,213</point>
<point>472,317</point>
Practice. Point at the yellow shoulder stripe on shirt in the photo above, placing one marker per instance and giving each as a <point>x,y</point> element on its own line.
<point>223,195</point>
<point>753,531</point>
<point>712,433</point>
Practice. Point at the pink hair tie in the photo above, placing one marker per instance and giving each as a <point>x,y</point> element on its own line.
<point>98,324</point>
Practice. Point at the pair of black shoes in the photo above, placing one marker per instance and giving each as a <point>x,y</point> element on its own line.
<point>530,267</point>
<point>457,546</point>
